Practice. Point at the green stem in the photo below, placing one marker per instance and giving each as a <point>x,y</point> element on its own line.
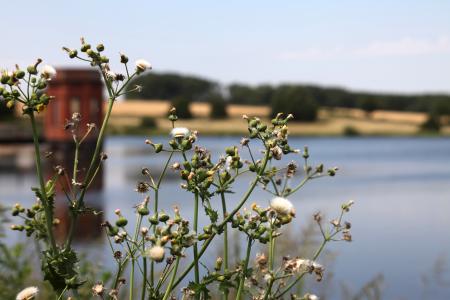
<point>136,232</point>
<point>225,241</point>
<point>172,279</point>
<point>196,270</point>
<point>45,203</point>
<point>158,184</point>
<point>244,270</point>
<point>144,262</point>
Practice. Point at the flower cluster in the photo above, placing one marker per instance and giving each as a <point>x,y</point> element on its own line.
<point>27,86</point>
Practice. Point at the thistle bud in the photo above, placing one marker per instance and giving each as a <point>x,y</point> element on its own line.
<point>100,47</point>
<point>218,265</point>
<point>121,222</point>
<point>158,148</point>
<point>123,58</point>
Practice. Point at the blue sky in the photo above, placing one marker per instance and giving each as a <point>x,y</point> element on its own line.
<point>398,46</point>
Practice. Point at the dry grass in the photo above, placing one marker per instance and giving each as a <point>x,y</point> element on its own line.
<point>331,121</point>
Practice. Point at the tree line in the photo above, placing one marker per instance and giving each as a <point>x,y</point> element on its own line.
<point>301,100</point>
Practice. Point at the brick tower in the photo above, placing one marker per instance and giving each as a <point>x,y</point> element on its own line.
<point>75,90</point>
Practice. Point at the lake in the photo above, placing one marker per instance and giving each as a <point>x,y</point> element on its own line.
<point>400,220</point>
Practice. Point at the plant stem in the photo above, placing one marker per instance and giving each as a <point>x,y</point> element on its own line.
<point>196,270</point>
<point>89,173</point>
<point>144,262</point>
<point>244,270</point>
<point>225,242</point>
<point>45,202</point>
<point>172,279</point>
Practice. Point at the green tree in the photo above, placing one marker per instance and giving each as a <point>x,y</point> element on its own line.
<point>182,105</point>
<point>218,106</point>
<point>295,100</point>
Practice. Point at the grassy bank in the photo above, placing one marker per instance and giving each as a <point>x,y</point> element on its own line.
<point>127,118</point>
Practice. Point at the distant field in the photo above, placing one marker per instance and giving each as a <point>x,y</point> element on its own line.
<point>129,114</point>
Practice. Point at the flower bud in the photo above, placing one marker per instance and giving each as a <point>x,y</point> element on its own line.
<point>143,211</point>
<point>121,222</point>
<point>100,47</point>
<point>218,264</point>
<point>123,58</point>
<point>73,53</point>
<point>142,65</point>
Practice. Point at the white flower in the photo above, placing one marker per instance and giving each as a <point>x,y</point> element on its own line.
<point>179,132</point>
<point>111,75</point>
<point>48,72</point>
<point>228,162</point>
<point>142,65</point>
<point>98,289</point>
<point>156,253</point>
<point>28,293</point>
<point>277,152</point>
<point>282,206</point>
<point>310,297</point>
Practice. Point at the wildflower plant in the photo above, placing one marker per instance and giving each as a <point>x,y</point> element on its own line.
<point>153,250</point>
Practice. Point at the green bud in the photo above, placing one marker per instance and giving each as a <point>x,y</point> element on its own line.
<point>4,79</point>
<point>253,133</point>
<point>230,151</point>
<point>173,144</point>
<point>85,47</point>
<point>262,127</point>
<point>113,230</point>
<point>121,222</point>
<point>253,123</point>
<point>104,59</point>
<point>90,52</point>
<point>153,220</point>
<point>143,211</point>
<point>10,104</point>
<point>20,74</point>
<point>218,265</point>
<point>30,213</point>
<point>100,47</point>
<point>202,237</point>
<point>42,84</point>
<point>172,118</point>
<point>163,217</point>
<point>186,145</point>
<point>73,53</point>
<point>158,148</point>
<point>32,70</point>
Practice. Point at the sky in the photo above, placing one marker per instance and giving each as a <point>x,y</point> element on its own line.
<point>385,46</point>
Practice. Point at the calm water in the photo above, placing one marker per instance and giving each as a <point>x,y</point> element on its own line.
<point>401,219</point>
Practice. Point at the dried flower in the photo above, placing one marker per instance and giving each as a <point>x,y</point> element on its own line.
<point>156,253</point>
<point>142,187</point>
<point>142,65</point>
<point>282,206</point>
<point>98,289</point>
<point>48,72</point>
<point>27,294</point>
<point>179,132</point>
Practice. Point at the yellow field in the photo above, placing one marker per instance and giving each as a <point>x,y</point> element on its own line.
<point>128,114</point>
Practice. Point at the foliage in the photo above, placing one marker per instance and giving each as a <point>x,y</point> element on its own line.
<point>218,106</point>
<point>183,105</point>
<point>169,86</point>
<point>433,123</point>
<point>296,101</point>
<point>148,122</point>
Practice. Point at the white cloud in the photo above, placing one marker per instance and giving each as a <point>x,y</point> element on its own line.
<point>406,46</point>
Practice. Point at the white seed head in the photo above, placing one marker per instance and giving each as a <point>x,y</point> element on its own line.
<point>156,253</point>
<point>282,206</point>
<point>142,65</point>
<point>27,294</point>
<point>48,72</point>
<point>98,289</point>
<point>179,132</point>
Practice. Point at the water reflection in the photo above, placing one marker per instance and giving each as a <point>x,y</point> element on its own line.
<point>400,185</point>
